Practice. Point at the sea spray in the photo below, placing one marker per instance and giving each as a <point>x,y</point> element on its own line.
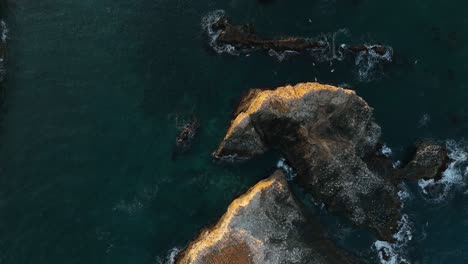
<point>368,61</point>
<point>287,169</point>
<point>453,177</point>
<point>207,25</point>
<point>394,253</point>
<point>170,257</point>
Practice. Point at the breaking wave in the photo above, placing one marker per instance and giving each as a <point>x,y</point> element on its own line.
<point>207,24</point>
<point>454,176</point>
<point>287,169</point>
<point>4,31</point>
<point>368,62</point>
<point>394,253</point>
<point>170,257</point>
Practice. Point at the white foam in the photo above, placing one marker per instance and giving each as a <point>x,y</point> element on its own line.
<point>207,25</point>
<point>403,194</point>
<point>287,169</point>
<point>367,62</point>
<point>396,164</point>
<point>454,176</point>
<point>172,254</point>
<point>331,50</point>
<point>4,31</point>
<point>386,151</point>
<point>170,257</point>
<point>281,56</point>
<point>394,253</point>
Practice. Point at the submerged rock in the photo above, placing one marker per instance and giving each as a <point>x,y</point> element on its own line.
<point>186,136</point>
<point>326,133</point>
<point>265,225</point>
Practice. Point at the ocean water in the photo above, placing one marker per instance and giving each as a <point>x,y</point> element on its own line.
<point>95,91</point>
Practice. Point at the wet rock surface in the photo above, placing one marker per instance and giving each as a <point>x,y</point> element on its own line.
<point>324,132</point>
<point>429,161</point>
<point>243,38</point>
<point>186,136</point>
<point>328,135</point>
<point>265,225</point>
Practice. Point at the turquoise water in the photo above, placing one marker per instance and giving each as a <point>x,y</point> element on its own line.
<point>95,89</point>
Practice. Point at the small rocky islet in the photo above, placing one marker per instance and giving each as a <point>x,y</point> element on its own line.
<point>329,136</point>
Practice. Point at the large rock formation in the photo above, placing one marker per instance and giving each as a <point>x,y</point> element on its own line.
<point>327,134</point>
<point>265,225</point>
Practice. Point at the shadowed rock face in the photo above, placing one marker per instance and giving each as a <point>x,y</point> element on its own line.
<point>325,133</point>
<point>265,225</point>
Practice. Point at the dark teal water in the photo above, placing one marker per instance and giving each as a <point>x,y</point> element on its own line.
<point>95,88</point>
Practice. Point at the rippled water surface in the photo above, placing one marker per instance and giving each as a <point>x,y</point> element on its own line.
<point>96,90</point>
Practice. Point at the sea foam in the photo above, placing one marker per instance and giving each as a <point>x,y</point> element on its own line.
<point>394,253</point>
<point>367,61</point>
<point>207,25</point>
<point>287,169</point>
<point>454,176</point>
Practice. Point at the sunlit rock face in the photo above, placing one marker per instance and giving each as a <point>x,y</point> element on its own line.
<point>325,133</point>
<point>265,225</point>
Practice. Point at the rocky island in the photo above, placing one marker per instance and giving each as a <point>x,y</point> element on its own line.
<point>329,137</point>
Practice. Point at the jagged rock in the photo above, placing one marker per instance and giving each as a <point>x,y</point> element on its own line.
<point>429,161</point>
<point>325,133</point>
<point>265,225</point>
<point>244,39</point>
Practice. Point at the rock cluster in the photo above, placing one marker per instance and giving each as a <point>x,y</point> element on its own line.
<point>329,136</point>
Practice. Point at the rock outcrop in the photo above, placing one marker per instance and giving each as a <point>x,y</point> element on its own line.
<point>329,136</point>
<point>428,161</point>
<point>226,36</point>
<point>265,225</point>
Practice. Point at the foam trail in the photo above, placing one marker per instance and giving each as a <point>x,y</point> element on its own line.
<point>281,56</point>
<point>330,47</point>
<point>368,62</point>
<point>4,31</point>
<point>171,255</point>
<point>386,151</point>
